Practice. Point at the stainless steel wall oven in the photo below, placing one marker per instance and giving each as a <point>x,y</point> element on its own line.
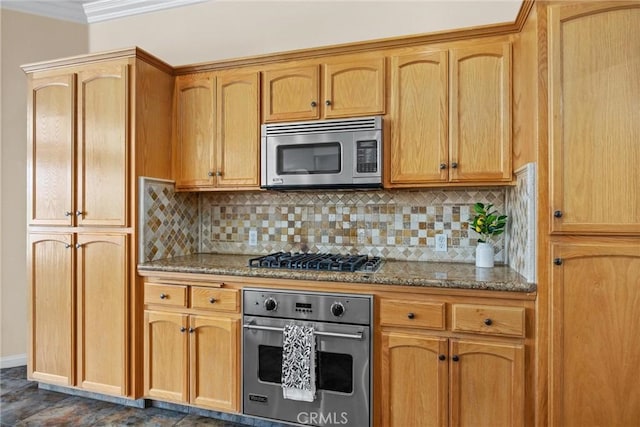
<point>342,330</point>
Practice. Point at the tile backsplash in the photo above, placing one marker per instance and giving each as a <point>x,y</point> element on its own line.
<point>394,224</point>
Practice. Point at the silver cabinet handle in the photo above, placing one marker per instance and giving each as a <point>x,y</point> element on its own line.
<point>357,336</point>
<point>68,213</point>
<point>78,213</point>
<point>78,245</point>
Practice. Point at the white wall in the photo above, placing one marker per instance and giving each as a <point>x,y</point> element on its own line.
<point>25,38</point>
<point>231,29</point>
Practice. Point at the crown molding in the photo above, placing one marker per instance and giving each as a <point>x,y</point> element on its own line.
<point>104,10</point>
<point>63,10</point>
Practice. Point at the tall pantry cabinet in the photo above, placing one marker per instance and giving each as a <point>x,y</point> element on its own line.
<point>96,123</point>
<point>591,249</point>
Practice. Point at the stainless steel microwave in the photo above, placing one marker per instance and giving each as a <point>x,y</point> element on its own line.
<point>339,153</point>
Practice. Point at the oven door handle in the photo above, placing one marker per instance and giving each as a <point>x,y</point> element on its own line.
<point>357,336</point>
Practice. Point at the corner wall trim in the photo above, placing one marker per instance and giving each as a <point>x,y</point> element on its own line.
<point>13,361</point>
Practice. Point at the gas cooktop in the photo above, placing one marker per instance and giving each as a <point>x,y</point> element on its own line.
<point>319,261</point>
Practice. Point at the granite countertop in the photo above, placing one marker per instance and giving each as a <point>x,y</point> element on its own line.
<point>405,273</point>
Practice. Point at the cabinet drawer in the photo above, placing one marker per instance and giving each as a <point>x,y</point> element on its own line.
<point>215,299</point>
<point>488,319</point>
<point>410,313</point>
<point>174,295</point>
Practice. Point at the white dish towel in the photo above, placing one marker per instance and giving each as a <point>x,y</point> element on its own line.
<point>298,363</point>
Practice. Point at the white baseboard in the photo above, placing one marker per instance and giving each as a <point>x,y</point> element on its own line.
<point>13,361</point>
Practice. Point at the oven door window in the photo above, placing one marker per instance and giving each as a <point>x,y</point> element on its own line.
<point>309,159</point>
<point>334,371</point>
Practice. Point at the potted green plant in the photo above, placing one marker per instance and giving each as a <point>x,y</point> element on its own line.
<point>487,223</point>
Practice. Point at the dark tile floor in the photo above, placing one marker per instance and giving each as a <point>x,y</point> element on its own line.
<point>22,403</point>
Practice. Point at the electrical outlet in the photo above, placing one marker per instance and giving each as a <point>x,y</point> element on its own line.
<point>253,237</point>
<point>441,242</point>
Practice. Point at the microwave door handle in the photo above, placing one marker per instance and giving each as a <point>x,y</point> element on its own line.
<point>357,336</point>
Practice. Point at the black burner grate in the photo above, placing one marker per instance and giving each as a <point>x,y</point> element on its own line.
<point>319,261</point>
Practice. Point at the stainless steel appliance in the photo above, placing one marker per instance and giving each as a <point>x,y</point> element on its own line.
<point>340,153</point>
<point>317,261</point>
<point>342,329</point>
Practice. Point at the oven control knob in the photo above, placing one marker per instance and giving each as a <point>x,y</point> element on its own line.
<point>270,304</point>
<point>337,309</point>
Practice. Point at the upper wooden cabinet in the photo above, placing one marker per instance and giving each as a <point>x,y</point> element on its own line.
<point>480,122</point>
<point>68,177</point>
<point>594,107</point>
<point>216,133</point>
<point>350,88</point>
<point>291,94</point>
<point>451,116</point>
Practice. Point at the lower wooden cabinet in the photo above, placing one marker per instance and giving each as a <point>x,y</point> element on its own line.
<point>433,375</point>
<point>79,310</point>
<point>192,358</point>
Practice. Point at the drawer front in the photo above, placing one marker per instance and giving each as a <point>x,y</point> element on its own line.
<point>429,315</point>
<point>170,295</point>
<point>488,319</point>
<point>215,299</point>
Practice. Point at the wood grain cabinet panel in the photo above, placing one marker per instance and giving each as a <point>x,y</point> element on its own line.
<point>415,314</point>
<point>103,301</point>
<point>166,295</point>
<point>51,308</point>
<point>103,146</point>
<point>419,146</point>
<point>291,94</point>
<point>487,319</point>
<point>354,88</point>
<point>595,345</point>
<point>215,299</point>
<point>594,109</point>
<point>480,118</point>
<point>51,107</point>
<point>194,131</point>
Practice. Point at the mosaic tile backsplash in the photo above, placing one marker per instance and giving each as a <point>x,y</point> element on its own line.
<point>393,224</point>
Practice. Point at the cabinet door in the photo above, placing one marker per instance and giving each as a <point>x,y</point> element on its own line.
<point>214,362</point>
<point>594,117</point>
<point>51,308</point>
<point>103,146</point>
<point>480,119</point>
<point>595,345</point>
<point>487,384</point>
<point>291,94</point>
<point>238,131</point>
<point>51,136</point>
<point>166,346</point>
<point>419,147</point>
<point>194,131</point>
<point>354,88</point>
<point>103,279</point>
<point>414,380</point>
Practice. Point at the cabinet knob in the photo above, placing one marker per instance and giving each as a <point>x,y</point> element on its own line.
<point>455,358</point>
<point>67,245</point>
<point>327,102</point>
<point>557,261</point>
<point>183,329</point>
<point>442,357</point>
<point>210,173</point>
<point>557,214</point>
<point>314,104</point>
<point>163,296</point>
<point>443,166</point>
<point>78,213</point>
<point>68,213</point>
<point>411,315</point>
<point>78,245</point>
<point>191,330</point>
<point>488,322</point>
<point>212,300</point>
<point>218,173</point>
<point>454,165</point>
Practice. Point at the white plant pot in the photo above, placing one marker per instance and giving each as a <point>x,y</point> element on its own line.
<point>484,255</point>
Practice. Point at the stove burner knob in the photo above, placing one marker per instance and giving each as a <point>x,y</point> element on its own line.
<point>270,304</point>
<point>337,309</point>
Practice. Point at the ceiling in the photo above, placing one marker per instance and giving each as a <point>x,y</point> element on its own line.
<point>91,11</point>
